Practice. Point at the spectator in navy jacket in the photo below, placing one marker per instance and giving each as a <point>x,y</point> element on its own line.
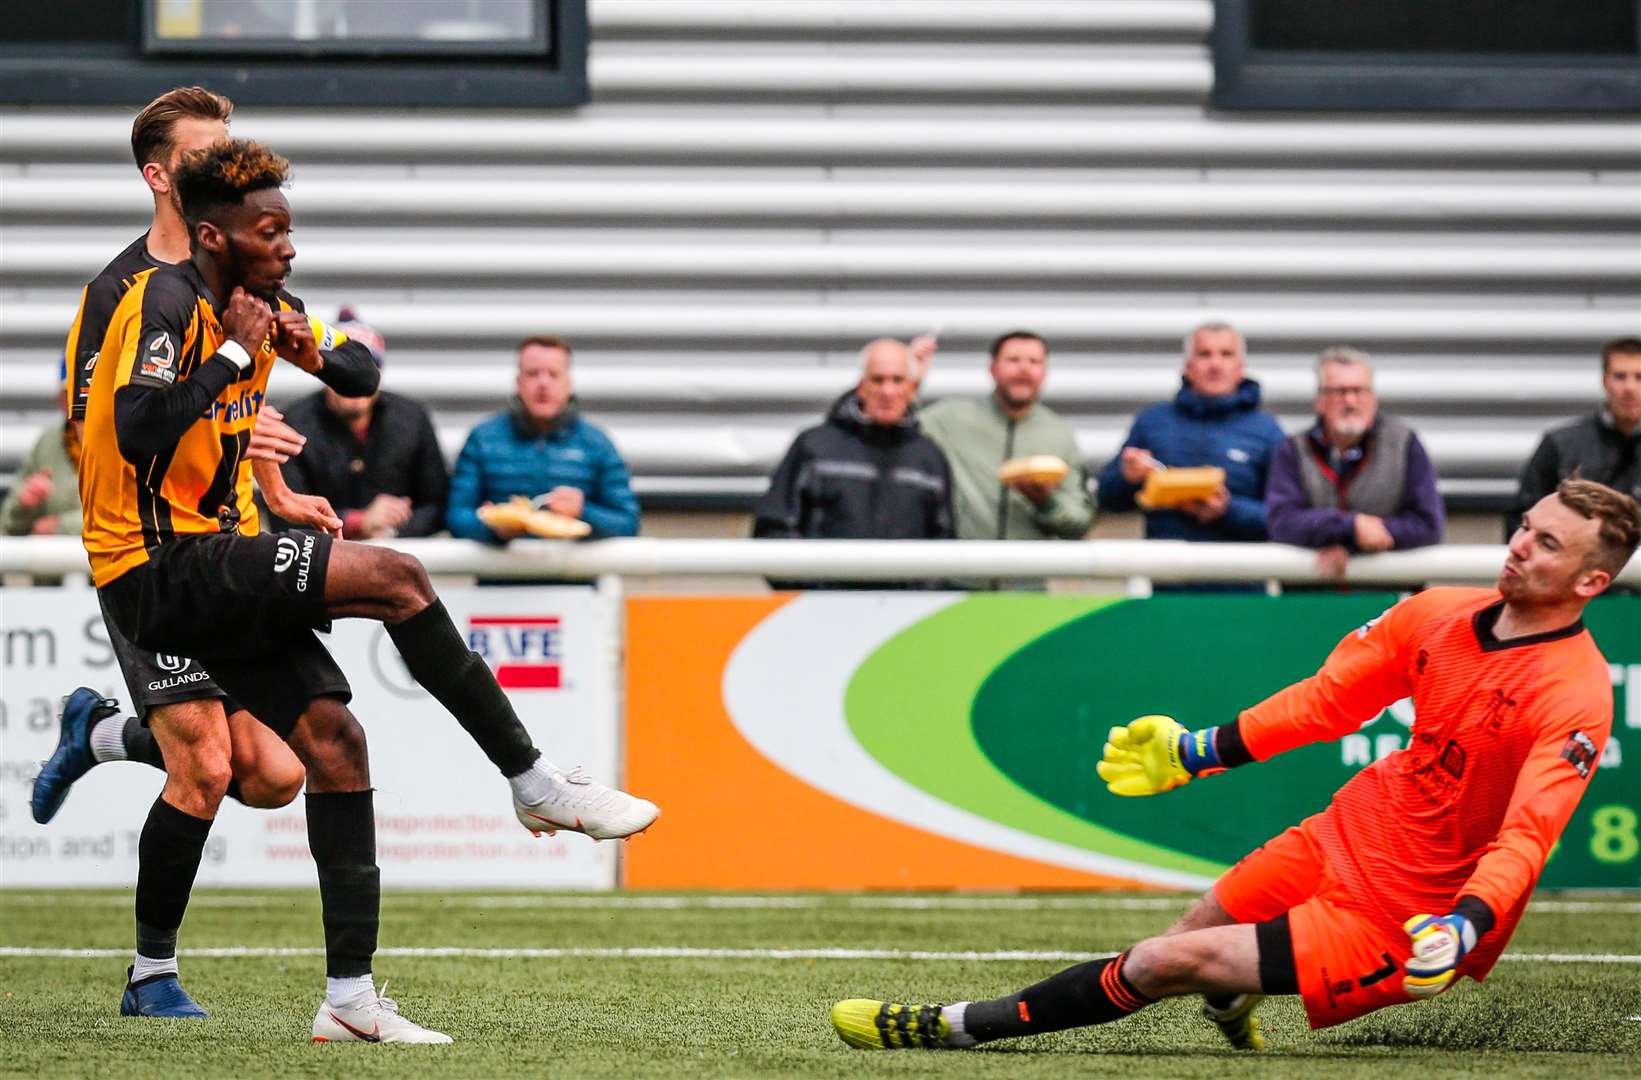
<point>1357,481</point>
<point>541,448</point>
<point>1214,419</point>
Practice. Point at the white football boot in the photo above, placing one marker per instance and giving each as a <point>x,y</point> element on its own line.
<point>580,804</point>
<point>374,1019</point>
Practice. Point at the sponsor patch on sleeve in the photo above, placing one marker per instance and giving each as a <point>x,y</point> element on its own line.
<point>1580,752</point>
<point>329,337</point>
<point>159,359</point>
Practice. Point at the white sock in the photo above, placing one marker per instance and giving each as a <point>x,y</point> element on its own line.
<point>953,1015</point>
<point>108,739</point>
<point>535,783</point>
<point>146,966</point>
<point>348,991</point>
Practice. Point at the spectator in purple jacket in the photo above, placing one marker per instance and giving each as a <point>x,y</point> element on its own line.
<point>1356,481</point>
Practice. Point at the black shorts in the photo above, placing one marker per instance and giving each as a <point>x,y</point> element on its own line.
<point>246,606</point>
<point>154,679</point>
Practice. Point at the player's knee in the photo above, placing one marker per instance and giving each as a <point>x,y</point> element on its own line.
<point>1159,966</point>
<point>274,784</point>
<point>333,746</point>
<point>204,776</point>
<point>198,750</point>
<point>412,588</point>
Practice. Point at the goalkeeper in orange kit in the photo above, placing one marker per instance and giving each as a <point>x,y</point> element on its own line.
<point>1420,868</point>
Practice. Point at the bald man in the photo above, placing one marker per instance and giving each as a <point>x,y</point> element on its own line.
<point>867,472</point>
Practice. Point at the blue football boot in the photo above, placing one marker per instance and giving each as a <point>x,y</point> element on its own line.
<point>158,995</point>
<point>72,759</point>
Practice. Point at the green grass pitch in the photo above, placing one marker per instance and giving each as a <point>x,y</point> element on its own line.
<point>757,1012</point>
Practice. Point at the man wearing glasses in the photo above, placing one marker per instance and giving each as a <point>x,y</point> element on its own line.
<point>1356,481</point>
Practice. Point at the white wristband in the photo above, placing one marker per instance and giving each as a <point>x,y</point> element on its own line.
<point>235,353</point>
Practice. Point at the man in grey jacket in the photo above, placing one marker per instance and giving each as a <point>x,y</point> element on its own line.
<point>979,434</point>
<point>1604,446</point>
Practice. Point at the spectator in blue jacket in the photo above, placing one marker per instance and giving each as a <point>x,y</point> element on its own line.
<point>1357,481</point>
<point>541,448</point>
<point>1214,420</point>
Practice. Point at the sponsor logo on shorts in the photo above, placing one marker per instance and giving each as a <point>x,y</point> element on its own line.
<point>526,651</point>
<point>1580,752</point>
<point>291,552</point>
<point>185,679</point>
<point>285,554</point>
<point>171,665</point>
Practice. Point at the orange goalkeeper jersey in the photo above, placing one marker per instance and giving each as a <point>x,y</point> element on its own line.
<point>1504,740</point>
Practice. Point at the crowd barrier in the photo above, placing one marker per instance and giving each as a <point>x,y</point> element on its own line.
<point>825,740</point>
<point>1136,561</point>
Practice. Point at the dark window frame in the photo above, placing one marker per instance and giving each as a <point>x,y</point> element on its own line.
<point>537,45</point>
<point>97,75</point>
<point>1251,79</point>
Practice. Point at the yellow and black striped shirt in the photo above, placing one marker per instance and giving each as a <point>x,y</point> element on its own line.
<point>97,303</point>
<point>168,420</point>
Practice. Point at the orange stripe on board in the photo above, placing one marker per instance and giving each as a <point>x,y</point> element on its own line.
<point>731,818</point>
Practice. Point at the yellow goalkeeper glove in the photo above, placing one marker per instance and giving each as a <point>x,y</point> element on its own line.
<point>1439,943</point>
<point>1145,757</point>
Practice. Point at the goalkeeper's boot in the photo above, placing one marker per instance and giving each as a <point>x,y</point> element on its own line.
<point>73,758</point>
<point>374,1019</point>
<point>883,1025</point>
<point>158,995</point>
<point>1238,1022</point>
<point>580,804</point>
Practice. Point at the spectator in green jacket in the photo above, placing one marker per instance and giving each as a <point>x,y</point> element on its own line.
<point>45,500</point>
<point>979,434</point>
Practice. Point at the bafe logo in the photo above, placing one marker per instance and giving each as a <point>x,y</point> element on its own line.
<point>525,651</point>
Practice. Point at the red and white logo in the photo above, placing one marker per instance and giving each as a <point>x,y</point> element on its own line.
<point>525,651</point>
<point>161,353</point>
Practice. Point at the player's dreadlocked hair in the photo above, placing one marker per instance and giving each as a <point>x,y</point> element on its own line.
<point>1615,513</point>
<point>223,174</point>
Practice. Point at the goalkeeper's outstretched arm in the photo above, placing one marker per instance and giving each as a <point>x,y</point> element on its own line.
<point>1362,675</point>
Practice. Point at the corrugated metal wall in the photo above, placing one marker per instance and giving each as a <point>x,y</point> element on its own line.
<point>760,187</point>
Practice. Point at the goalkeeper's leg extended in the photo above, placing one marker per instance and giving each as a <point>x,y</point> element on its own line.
<point>1216,960</point>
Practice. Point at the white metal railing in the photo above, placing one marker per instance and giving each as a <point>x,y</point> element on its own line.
<point>878,560</point>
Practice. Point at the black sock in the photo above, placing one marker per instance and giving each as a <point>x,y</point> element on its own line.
<point>168,854</point>
<point>1091,993</point>
<point>460,680</point>
<point>140,744</point>
<point>1219,1001</point>
<point>342,837</point>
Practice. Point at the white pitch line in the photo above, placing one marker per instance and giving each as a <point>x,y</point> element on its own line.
<point>549,901</point>
<point>675,952</point>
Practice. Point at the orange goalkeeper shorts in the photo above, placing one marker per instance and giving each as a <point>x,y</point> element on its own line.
<point>1345,965</point>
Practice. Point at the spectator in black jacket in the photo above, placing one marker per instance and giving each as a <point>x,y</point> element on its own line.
<point>376,459</point>
<point>1604,446</point>
<point>867,473</point>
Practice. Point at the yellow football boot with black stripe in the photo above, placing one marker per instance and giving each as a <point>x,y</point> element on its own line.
<point>883,1025</point>
<point>1237,1021</point>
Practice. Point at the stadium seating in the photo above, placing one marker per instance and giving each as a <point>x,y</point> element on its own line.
<point>849,170</point>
